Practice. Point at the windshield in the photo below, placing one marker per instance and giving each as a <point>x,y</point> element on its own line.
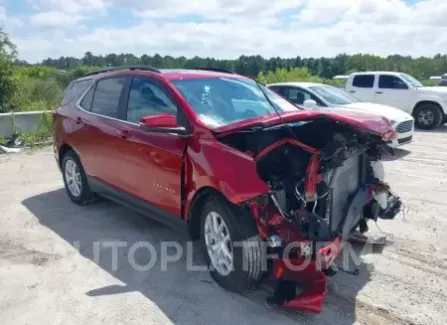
<point>222,101</point>
<point>333,95</point>
<point>411,80</point>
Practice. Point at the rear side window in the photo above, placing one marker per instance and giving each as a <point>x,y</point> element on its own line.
<point>363,81</point>
<point>75,90</point>
<point>107,96</point>
<point>86,102</point>
<point>391,82</point>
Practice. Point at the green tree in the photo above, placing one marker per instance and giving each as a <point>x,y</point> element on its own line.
<point>8,84</point>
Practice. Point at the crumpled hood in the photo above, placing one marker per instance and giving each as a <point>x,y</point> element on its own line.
<point>372,123</point>
<point>391,113</point>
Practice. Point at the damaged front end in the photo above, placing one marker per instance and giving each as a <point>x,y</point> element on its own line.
<point>326,181</point>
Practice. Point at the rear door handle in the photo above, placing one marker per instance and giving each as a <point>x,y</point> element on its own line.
<point>78,120</point>
<point>124,134</point>
<point>352,91</point>
<point>379,92</point>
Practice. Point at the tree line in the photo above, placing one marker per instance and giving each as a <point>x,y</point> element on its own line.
<point>421,67</point>
<point>25,86</point>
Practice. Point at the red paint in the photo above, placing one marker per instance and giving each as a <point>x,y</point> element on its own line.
<point>149,165</point>
<point>368,122</point>
<point>312,177</point>
<point>277,144</point>
<point>161,120</point>
<point>309,275</point>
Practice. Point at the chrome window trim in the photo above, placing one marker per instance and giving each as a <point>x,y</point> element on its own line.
<point>78,105</point>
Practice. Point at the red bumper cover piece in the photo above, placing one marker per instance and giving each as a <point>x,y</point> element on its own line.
<point>308,273</point>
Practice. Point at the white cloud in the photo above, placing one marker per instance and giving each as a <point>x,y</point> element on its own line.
<point>2,14</point>
<point>12,23</point>
<point>211,9</point>
<point>321,28</point>
<point>69,6</point>
<point>55,19</point>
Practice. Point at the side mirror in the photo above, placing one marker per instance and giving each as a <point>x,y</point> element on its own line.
<point>310,104</point>
<point>162,123</point>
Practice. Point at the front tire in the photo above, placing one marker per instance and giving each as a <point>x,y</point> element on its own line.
<point>428,116</point>
<point>75,179</point>
<point>232,246</point>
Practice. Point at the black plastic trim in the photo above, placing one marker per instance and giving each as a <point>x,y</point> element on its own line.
<point>145,208</point>
<point>128,67</point>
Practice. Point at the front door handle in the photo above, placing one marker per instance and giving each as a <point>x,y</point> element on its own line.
<point>78,120</point>
<point>124,134</point>
<point>352,91</point>
<point>379,92</point>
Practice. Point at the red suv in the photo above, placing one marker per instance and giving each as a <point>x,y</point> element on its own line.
<point>270,190</point>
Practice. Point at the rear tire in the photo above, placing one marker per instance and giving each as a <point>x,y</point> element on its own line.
<point>75,179</point>
<point>428,116</point>
<point>244,246</point>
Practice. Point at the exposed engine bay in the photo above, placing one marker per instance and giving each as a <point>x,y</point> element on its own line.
<point>322,177</point>
<point>326,181</point>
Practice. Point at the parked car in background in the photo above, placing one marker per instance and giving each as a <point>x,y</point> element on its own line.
<point>232,162</point>
<point>428,105</point>
<point>441,80</point>
<point>314,96</point>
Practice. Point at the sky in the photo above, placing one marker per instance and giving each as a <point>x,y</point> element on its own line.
<point>225,28</point>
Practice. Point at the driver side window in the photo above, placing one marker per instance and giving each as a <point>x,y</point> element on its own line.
<point>391,82</point>
<point>298,96</point>
<point>147,98</point>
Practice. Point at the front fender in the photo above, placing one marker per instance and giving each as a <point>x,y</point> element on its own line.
<point>432,98</point>
<point>228,171</point>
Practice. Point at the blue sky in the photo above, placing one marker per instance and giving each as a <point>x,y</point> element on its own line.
<point>225,28</point>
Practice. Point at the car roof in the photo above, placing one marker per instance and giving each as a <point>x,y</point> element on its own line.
<point>393,73</point>
<point>297,84</point>
<point>170,74</point>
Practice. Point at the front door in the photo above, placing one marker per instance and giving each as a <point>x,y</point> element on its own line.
<point>150,164</point>
<point>392,91</point>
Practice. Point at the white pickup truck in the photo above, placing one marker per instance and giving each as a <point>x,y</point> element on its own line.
<point>428,105</point>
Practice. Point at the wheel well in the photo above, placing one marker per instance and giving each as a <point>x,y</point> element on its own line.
<point>195,209</point>
<point>62,151</point>
<point>426,102</point>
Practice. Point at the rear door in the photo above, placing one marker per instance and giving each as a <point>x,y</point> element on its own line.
<point>362,87</point>
<point>393,91</point>
<point>150,164</point>
<point>98,118</point>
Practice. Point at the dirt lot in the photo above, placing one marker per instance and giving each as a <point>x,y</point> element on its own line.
<point>51,273</point>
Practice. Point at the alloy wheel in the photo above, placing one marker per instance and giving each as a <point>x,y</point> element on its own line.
<point>218,243</point>
<point>73,177</point>
<point>426,117</point>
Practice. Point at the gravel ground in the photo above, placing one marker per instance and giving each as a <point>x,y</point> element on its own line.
<point>53,269</point>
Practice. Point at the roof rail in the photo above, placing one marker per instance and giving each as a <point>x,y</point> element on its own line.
<point>125,67</point>
<point>215,69</point>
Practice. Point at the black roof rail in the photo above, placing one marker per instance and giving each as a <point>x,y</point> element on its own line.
<point>215,69</point>
<point>124,67</point>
